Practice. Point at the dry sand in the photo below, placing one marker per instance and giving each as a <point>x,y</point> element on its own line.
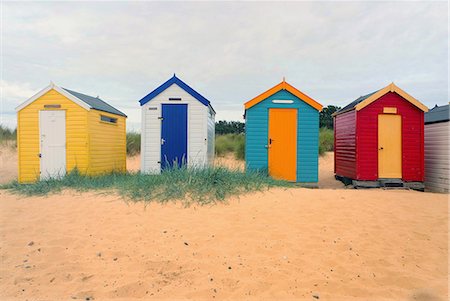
<point>336,244</point>
<point>134,163</point>
<point>8,163</point>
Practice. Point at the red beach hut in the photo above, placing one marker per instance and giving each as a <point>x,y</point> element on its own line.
<point>379,140</point>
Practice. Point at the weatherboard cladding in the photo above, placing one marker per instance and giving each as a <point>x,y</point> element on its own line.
<point>437,149</point>
<point>200,128</point>
<point>345,144</point>
<point>256,128</point>
<point>92,146</point>
<point>95,103</point>
<point>437,156</point>
<point>211,133</point>
<point>356,140</point>
<point>412,138</point>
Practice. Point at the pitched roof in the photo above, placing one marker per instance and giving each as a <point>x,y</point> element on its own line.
<point>283,86</point>
<point>85,101</point>
<point>95,103</point>
<point>352,105</point>
<point>437,114</point>
<point>364,101</point>
<point>175,80</point>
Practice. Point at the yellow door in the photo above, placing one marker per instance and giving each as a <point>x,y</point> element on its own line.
<point>282,144</point>
<point>389,146</point>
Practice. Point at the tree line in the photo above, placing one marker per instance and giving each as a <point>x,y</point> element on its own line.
<point>236,127</point>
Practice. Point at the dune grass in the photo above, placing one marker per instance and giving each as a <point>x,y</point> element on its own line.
<point>326,140</point>
<point>8,136</point>
<point>231,143</point>
<point>133,143</point>
<point>199,185</point>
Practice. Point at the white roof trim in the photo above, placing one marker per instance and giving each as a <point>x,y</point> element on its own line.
<point>57,89</point>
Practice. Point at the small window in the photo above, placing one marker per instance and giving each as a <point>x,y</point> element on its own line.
<point>282,101</point>
<point>175,98</point>
<point>108,119</point>
<point>52,106</point>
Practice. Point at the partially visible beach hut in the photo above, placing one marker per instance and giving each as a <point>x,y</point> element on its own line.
<point>282,134</point>
<point>437,162</point>
<point>379,140</point>
<point>178,127</point>
<point>59,129</point>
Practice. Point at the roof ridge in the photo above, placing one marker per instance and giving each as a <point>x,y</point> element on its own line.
<point>367,99</point>
<point>79,93</point>
<point>111,110</point>
<point>283,86</point>
<point>175,80</point>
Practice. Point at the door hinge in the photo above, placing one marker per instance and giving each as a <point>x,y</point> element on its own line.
<point>40,155</point>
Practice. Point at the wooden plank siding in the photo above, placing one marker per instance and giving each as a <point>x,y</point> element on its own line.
<point>28,137</point>
<point>437,160</point>
<point>412,138</point>
<point>211,136</point>
<point>107,143</point>
<point>256,127</point>
<point>151,129</point>
<point>345,144</point>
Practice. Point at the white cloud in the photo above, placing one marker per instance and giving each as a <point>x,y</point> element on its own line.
<point>16,91</point>
<point>228,51</point>
<point>13,94</point>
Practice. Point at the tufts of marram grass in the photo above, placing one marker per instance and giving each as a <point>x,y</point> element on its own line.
<point>200,185</point>
<point>133,143</point>
<point>326,140</point>
<point>230,143</point>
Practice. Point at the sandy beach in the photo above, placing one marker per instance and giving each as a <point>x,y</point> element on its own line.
<point>8,164</point>
<point>283,244</point>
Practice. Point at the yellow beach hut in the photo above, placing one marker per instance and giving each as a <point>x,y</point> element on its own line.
<point>59,129</point>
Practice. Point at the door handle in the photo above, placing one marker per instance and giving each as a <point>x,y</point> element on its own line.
<point>40,155</point>
<point>162,141</point>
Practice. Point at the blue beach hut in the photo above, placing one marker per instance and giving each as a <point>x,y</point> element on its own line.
<point>177,127</point>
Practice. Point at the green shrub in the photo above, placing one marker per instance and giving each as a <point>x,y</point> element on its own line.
<point>240,148</point>
<point>224,144</point>
<point>201,185</point>
<point>7,135</point>
<point>326,140</point>
<point>133,143</point>
<point>230,143</point>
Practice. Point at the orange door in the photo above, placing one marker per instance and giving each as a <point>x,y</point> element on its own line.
<point>282,144</point>
<point>389,146</point>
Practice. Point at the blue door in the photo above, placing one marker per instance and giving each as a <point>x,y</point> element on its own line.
<point>173,135</point>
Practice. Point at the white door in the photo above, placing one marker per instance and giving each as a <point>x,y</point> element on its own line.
<point>52,127</point>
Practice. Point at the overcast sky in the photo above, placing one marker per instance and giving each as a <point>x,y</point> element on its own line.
<point>228,51</point>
